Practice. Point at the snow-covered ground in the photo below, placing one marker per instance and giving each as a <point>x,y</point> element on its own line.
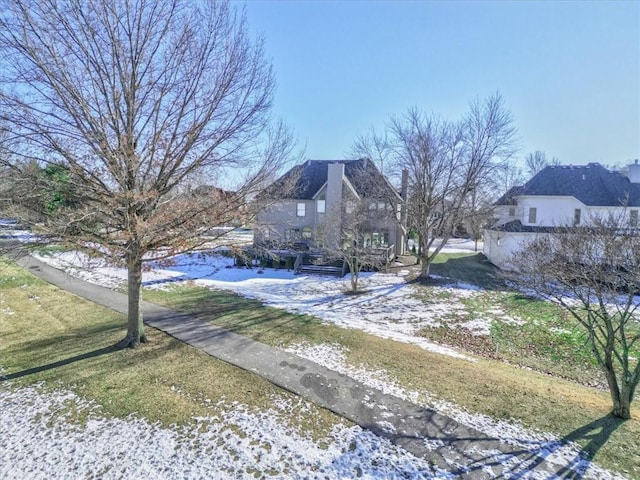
<point>39,441</point>
<point>388,309</point>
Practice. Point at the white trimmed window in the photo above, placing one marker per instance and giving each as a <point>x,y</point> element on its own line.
<point>533,213</point>
<point>321,205</point>
<point>633,218</point>
<point>301,209</point>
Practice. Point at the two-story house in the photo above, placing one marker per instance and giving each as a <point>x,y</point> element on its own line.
<point>313,202</point>
<point>561,196</point>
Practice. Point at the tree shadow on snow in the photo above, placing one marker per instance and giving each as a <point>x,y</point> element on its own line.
<point>524,461</point>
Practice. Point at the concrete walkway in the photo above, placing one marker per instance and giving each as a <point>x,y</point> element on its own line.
<point>463,451</point>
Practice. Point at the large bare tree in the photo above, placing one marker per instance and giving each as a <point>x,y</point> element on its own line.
<point>134,100</point>
<point>593,272</point>
<point>448,165</point>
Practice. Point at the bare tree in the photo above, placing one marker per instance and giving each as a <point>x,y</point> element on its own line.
<point>593,272</point>
<point>135,99</point>
<point>356,231</point>
<point>536,161</point>
<point>446,163</point>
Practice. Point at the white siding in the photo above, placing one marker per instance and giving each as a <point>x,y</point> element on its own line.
<point>550,211</point>
<point>499,247</point>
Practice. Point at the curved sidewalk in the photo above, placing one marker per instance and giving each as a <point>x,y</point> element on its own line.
<point>455,448</point>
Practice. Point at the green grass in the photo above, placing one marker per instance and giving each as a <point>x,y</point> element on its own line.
<point>50,326</point>
<point>528,332</point>
<point>490,387</point>
<point>467,268</point>
<point>51,336</point>
<point>49,250</point>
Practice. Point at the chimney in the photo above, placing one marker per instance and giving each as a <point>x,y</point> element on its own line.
<point>633,172</point>
<point>335,176</point>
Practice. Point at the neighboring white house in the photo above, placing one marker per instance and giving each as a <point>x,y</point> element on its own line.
<point>308,203</point>
<point>560,196</point>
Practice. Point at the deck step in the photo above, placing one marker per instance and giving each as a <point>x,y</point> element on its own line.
<point>321,270</point>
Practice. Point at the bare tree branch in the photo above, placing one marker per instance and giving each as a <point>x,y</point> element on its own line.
<point>593,272</point>
<point>132,100</point>
<point>448,165</point>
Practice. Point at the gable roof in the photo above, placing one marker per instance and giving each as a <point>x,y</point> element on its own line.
<point>311,176</point>
<point>592,184</point>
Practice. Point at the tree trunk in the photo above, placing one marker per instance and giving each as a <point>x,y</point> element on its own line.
<point>135,326</point>
<point>622,409</point>
<point>355,273</point>
<point>424,256</point>
<point>424,270</point>
<point>619,396</point>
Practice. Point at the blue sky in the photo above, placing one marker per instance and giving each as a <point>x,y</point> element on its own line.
<point>568,71</point>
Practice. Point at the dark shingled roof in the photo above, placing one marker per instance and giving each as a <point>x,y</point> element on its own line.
<point>310,176</point>
<point>592,184</point>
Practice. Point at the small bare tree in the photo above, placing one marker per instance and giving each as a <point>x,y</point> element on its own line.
<point>134,99</point>
<point>357,218</point>
<point>593,272</point>
<point>354,246</point>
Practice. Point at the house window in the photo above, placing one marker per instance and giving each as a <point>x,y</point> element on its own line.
<point>576,216</point>
<point>533,212</point>
<point>633,218</point>
<point>380,239</point>
<point>512,211</point>
<point>321,205</point>
<point>302,209</point>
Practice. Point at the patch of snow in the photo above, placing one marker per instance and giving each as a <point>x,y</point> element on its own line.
<point>478,326</point>
<point>560,331</point>
<point>39,440</point>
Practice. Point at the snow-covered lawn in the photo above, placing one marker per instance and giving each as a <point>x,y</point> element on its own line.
<point>389,309</point>
<point>38,440</point>
<point>41,438</point>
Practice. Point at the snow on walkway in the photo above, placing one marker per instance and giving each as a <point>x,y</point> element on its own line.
<point>538,445</point>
